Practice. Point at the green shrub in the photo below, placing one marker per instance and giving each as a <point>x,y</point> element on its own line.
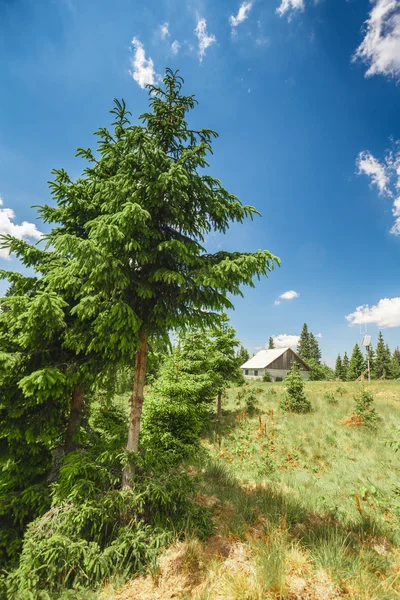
<point>364,408</point>
<point>267,377</point>
<point>171,430</point>
<point>330,398</point>
<point>295,399</point>
<point>271,392</point>
<point>341,390</point>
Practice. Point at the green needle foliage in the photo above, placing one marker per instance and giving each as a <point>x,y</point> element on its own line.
<point>382,360</point>
<point>295,399</point>
<point>339,369</point>
<point>356,364</point>
<point>365,409</point>
<point>43,382</point>
<point>137,265</point>
<point>345,364</point>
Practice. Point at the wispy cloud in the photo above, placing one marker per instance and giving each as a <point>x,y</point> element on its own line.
<point>205,39</point>
<point>369,165</point>
<point>380,48</point>
<point>385,175</point>
<point>164,30</point>
<point>384,314</point>
<point>289,5</point>
<point>24,231</point>
<point>242,15</point>
<point>285,340</point>
<point>143,71</point>
<point>319,335</point>
<point>175,47</point>
<point>290,295</point>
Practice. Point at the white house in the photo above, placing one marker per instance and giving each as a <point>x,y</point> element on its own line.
<point>276,362</point>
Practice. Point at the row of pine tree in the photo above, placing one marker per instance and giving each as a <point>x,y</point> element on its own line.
<point>383,363</point>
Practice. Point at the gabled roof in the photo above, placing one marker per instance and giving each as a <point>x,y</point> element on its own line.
<point>264,358</point>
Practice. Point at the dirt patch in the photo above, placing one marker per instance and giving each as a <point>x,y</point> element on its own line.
<point>353,421</point>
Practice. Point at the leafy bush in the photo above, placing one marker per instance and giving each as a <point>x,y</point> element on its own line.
<point>95,530</point>
<point>320,372</point>
<point>171,429</point>
<point>341,390</point>
<point>267,377</point>
<point>250,400</point>
<point>330,398</point>
<point>364,408</point>
<point>295,399</point>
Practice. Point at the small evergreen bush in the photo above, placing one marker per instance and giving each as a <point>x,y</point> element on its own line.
<point>267,377</point>
<point>330,398</point>
<point>365,409</point>
<point>295,399</point>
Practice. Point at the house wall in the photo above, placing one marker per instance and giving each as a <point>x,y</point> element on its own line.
<point>285,361</point>
<point>273,372</point>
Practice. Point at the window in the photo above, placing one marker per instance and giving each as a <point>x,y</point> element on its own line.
<point>246,372</point>
<point>255,372</point>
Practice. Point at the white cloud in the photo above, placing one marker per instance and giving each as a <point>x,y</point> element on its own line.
<point>369,165</point>
<point>285,340</point>
<point>7,227</point>
<point>287,296</point>
<point>384,314</point>
<point>385,174</point>
<point>380,48</point>
<point>164,30</point>
<point>242,15</point>
<point>143,68</point>
<point>287,5</point>
<point>319,335</point>
<point>175,47</point>
<point>205,40</point>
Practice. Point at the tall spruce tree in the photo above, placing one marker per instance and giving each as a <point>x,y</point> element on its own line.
<point>242,355</point>
<point>383,359</point>
<point>345,363</point>
<point>395,364</point>
<point>303,347</point>
<point>271,344</point>
<point>356,364</point>
<point>315,352</point>
<point>137,266</point>
<point>222,358</point>
<point>371,359</point>
<point>339,371</point>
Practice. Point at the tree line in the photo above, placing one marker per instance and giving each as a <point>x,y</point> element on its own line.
<point>384,364</point>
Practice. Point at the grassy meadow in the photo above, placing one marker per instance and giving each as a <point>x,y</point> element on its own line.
<point>304,505</point>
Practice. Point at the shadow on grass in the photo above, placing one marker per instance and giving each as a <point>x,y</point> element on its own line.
<point>256,511</point>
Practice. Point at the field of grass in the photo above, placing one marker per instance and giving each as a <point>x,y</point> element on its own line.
<point>305,506</point>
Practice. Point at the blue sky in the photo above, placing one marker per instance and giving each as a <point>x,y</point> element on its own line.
<point>305,97</point>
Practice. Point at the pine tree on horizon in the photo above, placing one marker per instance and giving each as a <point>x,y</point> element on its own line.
<point>303,347</point>
<point>356,364</point>
<point>271,344</point>
<point>345,365</point>
<point>371,357</point>
<point>383,359</point>
<point>339,371</point>
<point>395,363</point>
<point>314,349</point>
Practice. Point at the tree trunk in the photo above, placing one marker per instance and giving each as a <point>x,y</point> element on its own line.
<point>136,403</point>
<point>75,417</point>
<point>219,405</point>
